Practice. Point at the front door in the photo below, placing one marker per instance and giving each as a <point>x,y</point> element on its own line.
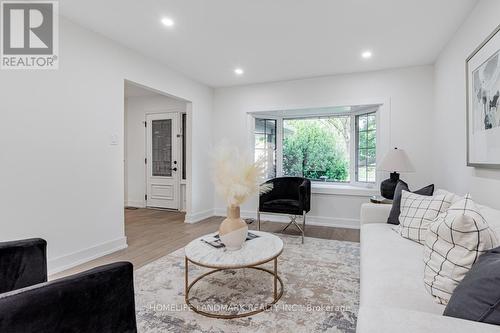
<point>162,164</point>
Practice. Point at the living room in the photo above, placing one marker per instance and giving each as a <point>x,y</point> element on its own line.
<point>308,98</point>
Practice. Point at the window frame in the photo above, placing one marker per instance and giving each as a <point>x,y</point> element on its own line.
<point>254,131</point>
<point>357,147</point>
<point>353,148</point>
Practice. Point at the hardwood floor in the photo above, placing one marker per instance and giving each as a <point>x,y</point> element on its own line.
<point>152,234</point>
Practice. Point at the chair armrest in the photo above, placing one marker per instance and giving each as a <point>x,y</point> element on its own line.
<point>263,197</point>
<point>97,300</point>
<point>22,263</point>
<point>374,213</point>
<point>305,195</point>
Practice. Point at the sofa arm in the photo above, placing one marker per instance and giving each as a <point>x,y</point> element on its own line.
<point>23,263</point>
<point>97,300</point>
<point>374,213</point>
<point>392,320</point>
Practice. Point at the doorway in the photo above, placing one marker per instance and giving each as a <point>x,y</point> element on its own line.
<point>155,149</point>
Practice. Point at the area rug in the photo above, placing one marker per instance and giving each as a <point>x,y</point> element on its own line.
<point>321,292</point>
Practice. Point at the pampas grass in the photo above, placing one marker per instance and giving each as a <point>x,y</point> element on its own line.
<point>236,176</point>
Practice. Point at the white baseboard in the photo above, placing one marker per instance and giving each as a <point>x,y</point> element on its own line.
<point>65,262</point>
<point>311,220</point>
<point>199,216</point>
<point>138,204</point>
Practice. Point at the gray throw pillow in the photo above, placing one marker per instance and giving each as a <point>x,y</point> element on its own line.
<point>396,202</point>
<point>477,297</point>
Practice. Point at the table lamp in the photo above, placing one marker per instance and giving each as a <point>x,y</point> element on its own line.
<point>394,161</point>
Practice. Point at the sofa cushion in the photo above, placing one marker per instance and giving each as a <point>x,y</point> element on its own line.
<point>477,297</point>
<point>493,217</point>
<point>452,197</point>
<point>391,320</point>
<point>418,212</point>
<point>281,206</point>
<point>454,243</point>
<point>392,270</point>
<point>396,202</point>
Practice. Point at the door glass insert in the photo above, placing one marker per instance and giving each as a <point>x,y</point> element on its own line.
<point>162,147</point>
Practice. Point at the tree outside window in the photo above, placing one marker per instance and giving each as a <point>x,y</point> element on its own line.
<point>319,148</point>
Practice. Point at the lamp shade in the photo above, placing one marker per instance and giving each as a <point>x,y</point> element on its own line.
<point>396,160</point>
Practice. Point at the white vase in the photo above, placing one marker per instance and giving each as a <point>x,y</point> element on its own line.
<point>233,230</point>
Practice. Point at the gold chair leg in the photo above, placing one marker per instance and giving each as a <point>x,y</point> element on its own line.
<point>186,279</point>
<point>292,221</point>
<point>303,225</point>
<point>275,278</point>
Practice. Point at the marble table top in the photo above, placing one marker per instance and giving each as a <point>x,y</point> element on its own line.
<point>253,251</point>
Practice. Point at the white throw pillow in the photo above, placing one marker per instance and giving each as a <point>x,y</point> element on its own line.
<point>450,195</point>
<point>418,212</point>
<point>454,242</point>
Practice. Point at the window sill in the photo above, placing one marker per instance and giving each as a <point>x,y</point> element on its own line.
<point>346,190</point>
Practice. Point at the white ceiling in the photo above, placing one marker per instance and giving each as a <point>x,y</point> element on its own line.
<point>275,40</point>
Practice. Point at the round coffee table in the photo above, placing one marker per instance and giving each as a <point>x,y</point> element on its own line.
<point>255,252</point>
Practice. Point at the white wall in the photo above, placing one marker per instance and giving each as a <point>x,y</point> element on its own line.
<point>407,97</point>
<point>60,178</point>
<point>136,109</point>
<point>449,142</point>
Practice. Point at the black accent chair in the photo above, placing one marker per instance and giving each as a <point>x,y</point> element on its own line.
<point>290,196</point>
<point>94,301</point>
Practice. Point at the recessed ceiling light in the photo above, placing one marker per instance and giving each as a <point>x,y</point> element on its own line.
<point>367,54</point>
<point>239,71</point>
<point>167,21</point>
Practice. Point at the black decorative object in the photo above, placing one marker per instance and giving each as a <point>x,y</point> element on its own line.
<point>388,186</point>
<point>394,161</point>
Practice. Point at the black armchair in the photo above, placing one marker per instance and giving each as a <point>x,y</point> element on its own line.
<point>97,300</point>
<point>290,196</point>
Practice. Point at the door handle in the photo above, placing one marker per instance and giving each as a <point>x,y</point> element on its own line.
<point>175,169</point>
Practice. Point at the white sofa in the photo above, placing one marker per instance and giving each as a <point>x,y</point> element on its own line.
<point>393,296</point>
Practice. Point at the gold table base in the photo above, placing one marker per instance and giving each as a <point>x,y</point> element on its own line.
<point>274,273</point>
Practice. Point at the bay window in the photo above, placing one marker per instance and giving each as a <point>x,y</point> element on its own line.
<point>334,148</point>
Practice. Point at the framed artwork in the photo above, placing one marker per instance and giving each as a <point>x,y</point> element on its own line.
<point>483,99</point>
